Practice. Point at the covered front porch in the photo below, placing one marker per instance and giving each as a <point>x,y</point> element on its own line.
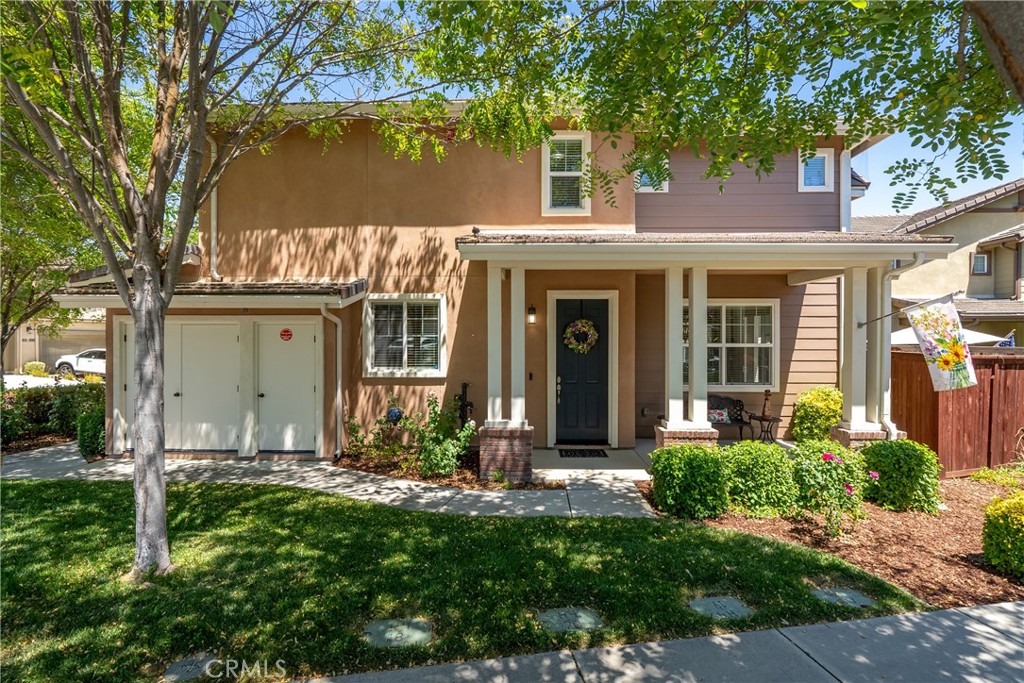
<point>781,311</point>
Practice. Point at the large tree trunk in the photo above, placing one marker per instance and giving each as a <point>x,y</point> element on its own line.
<point>152,550</point>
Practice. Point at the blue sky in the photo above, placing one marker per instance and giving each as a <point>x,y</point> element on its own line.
<point>872,164</point>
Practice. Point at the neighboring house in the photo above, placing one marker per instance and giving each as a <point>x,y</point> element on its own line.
<point>29,344</point>
<point>987,265</point>
<point>415,278</point>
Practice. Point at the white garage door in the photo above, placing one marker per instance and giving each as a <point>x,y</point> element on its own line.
<point>286,386</point>
<point>201,386</point>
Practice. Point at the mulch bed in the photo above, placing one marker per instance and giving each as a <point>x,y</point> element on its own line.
<point>936,558</point>
<point>465,477</point>
<point>34,442</point>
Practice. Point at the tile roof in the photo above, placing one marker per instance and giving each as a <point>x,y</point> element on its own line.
<point>877,223</point>
<point>935,215</point>
<point>1016,232</point>
<point>342,290</point>
<point>977,308</point>
<point>857,180</point>
<point>599,237</point>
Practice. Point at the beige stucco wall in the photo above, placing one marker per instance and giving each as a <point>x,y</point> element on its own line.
<point>936,278</point>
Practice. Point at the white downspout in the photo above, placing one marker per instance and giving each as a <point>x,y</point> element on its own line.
<point>845,192</point>
<point>887,278</point>
<point>214,274</point>
<point>338,397</point>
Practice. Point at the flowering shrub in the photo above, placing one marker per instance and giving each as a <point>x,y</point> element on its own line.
<point>690,481</point>
<point>909,475</point>
<point>816,412</point>
<point>760,478</point>
<point>1002,536</point>
<point>830,480</point>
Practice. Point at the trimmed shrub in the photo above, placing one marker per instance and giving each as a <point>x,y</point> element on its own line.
<point>1002,536</point>
<point>93,379</point>
<point>91,436</point>
<point>829,479</point>
<point>816,412</point>
<point>35,368</point>
<point>907,475</point>
<point>13,421</point>
<point>760,478</point>
<point>690,481</point>
<point>68,403</point>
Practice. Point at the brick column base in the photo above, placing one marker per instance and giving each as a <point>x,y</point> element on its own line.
<point>509,449</point>
<point>855,438</point>
<point>664,436</point>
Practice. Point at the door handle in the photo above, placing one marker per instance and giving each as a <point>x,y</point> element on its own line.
<point>177,393</point>
<point>261,394</point>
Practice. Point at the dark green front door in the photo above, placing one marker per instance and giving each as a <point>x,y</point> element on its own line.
<point>581,379</point>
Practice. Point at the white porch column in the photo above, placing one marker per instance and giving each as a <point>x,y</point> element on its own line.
<point>495,415</point>
<point>854,369</point>
<point>875,332</point>
<point>697,410</point>
<point>885,350</point>
<point>674,399</point>
<point>517,307</point>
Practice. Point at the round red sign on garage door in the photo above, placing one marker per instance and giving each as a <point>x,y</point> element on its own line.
<point>286,334</point>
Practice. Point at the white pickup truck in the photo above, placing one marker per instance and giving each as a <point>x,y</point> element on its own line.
<point>90,362</point>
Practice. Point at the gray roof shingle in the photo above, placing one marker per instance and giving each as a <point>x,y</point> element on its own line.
<point>937,214</point>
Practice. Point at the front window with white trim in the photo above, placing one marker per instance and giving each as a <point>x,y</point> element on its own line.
<point>742,344</point>
<point>644,182</point>
<point>564,165</point>
<point>404,335</point>
<point>816,174</point>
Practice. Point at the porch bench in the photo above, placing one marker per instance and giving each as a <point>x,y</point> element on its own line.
<point>726,410</point>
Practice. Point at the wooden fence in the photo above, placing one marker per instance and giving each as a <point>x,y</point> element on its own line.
<point>968,428</point>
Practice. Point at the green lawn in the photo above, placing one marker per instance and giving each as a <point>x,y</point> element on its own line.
<point>277,573</point>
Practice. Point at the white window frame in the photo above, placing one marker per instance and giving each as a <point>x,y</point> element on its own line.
<point>368,368</point>
<point>775,345</point>
<point>546,174</point>
<point>988,263</point>
<point>830,170</point>
<point>650,189</point>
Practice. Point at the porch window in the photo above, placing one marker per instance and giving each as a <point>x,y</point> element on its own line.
<point>564,164</point>
<point>742,344</point>
<point>403,335</point>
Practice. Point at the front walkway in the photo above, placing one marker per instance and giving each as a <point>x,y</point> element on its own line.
<point>583,497</point>
<point>982,644</point>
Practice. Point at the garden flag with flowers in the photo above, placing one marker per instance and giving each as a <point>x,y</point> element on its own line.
<point>938,330</point>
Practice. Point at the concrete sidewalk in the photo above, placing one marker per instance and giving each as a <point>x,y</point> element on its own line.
<point>597,498</point>
<point>978,644</point>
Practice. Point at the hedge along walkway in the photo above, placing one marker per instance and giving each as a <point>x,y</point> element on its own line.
<point>580,499</point>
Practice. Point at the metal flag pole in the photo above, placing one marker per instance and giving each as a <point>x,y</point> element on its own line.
<point>948,298</point>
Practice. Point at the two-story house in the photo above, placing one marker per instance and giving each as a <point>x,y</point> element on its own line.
<point>986,267</point>
<point>333,280</point>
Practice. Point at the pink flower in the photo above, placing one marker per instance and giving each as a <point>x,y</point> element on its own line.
<point>839,461</point>
<point>873,475</point>
<point>849,489</point>
<point>827,457</point>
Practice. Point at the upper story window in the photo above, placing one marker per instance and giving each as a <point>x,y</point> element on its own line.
<point>816,174</point>
<point>404,335</point>
<point>981,263</point>
<point>564,163</point>
<point>742,344</point>
<point>645,183</point>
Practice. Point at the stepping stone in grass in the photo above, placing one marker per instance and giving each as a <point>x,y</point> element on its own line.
<point>399,632</point>
<point>847,597</point>
<point>721,607</point>
<point>188,669</point>
<point>565,619</point>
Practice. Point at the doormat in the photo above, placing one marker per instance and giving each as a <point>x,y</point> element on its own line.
<point>581,453</point>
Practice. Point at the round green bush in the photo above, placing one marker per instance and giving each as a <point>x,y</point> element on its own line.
<point>908,475</point>
<point>1002,536</point>
<point>760,478</point>
<point>91,432</point>
<point>816,412</point>
<point>35,368</point>
<point>690,481</point>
